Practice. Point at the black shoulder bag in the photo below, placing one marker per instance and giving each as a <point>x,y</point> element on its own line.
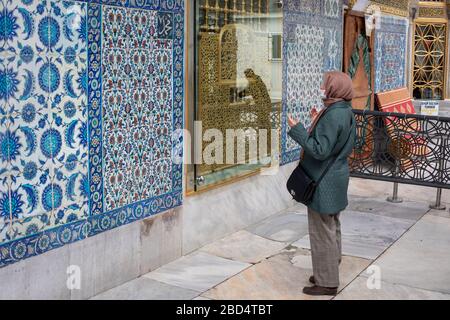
<point>302,187</point>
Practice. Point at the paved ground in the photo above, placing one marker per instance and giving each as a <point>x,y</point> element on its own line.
<point>407,243</point>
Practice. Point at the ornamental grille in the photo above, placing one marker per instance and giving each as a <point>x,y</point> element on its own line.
<point>429,60</point>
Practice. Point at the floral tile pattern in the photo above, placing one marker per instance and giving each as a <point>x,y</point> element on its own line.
<point>390,53</point>
<point>312,45</point>
<point>24,27</point>
<point>137,89</point>
<point>26,104</point>
<point>70,18</point>
<point>90,94</point>
<point>48,172</point>
<point>304,65</point>
<point>5,168</point>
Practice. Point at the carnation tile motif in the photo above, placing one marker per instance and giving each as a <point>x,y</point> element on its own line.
<point>390,53</point>
<point>312,45</point>
<point>304,66</point>
<point>90,94</point>
<point>137,81</point>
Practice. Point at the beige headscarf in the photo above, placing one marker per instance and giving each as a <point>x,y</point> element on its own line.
<point>338,87</point>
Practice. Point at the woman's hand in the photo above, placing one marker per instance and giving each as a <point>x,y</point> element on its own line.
<point>314,113</point>
<point>292,123</point>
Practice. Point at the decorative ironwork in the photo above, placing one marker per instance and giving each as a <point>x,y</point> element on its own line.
<point>215,14</point>
<point>410,149</point>
<point>429,60</point>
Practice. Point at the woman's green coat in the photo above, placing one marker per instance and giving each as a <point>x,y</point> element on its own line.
<point>329,139</point>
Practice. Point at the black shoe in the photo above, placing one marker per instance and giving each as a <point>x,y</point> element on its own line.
<point>320,291</point>
<point>312,280</point>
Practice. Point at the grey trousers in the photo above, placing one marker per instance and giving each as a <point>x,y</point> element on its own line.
<point>326,248</point>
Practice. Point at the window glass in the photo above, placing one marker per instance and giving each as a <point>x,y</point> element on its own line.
<point>238,87</point>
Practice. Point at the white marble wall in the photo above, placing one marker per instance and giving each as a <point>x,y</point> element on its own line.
<point>120,255</point>
<point>105,261</point>
<point>212,215</point>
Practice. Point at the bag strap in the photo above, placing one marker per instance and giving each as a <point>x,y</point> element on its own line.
<point>336,157</point>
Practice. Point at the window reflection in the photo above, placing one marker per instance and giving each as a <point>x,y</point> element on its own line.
<point>239,76</point>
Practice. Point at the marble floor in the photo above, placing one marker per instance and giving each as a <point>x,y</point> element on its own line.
<point>366,235</point>
<point>391,252</point>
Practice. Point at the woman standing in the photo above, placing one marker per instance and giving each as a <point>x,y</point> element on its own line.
<point>330,137</point>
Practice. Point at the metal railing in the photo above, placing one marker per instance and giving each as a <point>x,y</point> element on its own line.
<point>402,148</point>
